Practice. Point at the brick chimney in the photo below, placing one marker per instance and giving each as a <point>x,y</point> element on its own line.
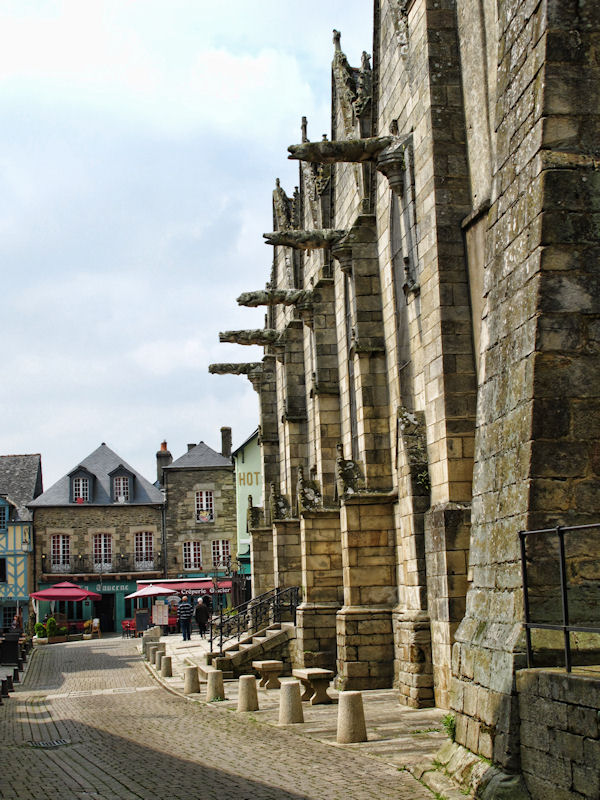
<point>226,442</point>
<point>163,459</point>
<point>191,446</point>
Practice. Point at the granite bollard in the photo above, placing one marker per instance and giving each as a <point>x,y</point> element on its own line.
<point>191,683</point>
<point>214,686</point>
<point>351,718</point>
<point>248,695</point>
<point>290,703</point>
<point>166,668</point>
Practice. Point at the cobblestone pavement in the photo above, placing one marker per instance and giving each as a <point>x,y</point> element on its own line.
<point>90,723</point>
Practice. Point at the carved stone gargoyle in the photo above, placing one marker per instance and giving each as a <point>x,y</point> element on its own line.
<point>261,336</point>
<point>349,478</point>
<point>348,150</point>
<point>274,297</point>
<point>308,493</point>
<point>305,240</point>
<point>235,369</point>
<point>279,506</point>
<point>254,515</point>
<point>386,152</point>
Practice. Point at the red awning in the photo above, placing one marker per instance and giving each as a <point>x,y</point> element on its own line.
<point>194,586</point>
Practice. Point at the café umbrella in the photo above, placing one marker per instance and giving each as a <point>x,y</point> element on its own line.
<point>153,590</point>
<point>65,591</point>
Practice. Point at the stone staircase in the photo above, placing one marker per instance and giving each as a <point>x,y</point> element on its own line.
<point>271,642</point>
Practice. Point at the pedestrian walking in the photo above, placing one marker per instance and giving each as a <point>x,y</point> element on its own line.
<point>185,612</point>
<point>202,615</point>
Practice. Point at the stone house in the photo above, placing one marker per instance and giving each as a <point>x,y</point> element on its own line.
<point>430,384</point>
<point>200,513</point>
<point>20,482</point>
<point>101,525</point>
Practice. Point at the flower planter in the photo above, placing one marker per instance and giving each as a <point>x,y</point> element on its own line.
<point>40,640</point>
<point>87,636</point>
<point>75,637</point>
<point>56,639</point>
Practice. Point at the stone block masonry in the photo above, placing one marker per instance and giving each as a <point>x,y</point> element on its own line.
<point>560,733</point>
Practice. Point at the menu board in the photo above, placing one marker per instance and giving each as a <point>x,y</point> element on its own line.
<point>142,619</point>
<point>160,613</point>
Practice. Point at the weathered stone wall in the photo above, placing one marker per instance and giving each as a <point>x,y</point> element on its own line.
<point>180,515</point>
<point>261,560</point>
<point>82,522</point>
<point>560,734</point>
<point>536,462</point>
<point>322,588</point>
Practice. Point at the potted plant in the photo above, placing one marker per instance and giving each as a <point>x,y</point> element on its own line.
<point>54,634</point>
<point>41,636</point>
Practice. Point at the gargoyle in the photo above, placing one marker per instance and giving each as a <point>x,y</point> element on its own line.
<point>305,240</point>
<point>261,336</point>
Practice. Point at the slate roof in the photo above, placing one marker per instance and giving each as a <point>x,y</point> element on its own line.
<point>100,463</point>
<point>201,456</point>
<point>21,481</point>
<point>252,436</point>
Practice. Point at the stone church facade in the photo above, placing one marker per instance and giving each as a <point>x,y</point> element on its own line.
<point>431,372</point>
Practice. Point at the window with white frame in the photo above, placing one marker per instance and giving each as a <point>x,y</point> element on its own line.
<point>220,552</point>
<point>60,552</point>
<point>81,491</point>
<point>121,488</point>
<point>205,506</point>
<point>102,552</point>
<point>192,555</point>
<point>3,516</point>
<point>144,550</point>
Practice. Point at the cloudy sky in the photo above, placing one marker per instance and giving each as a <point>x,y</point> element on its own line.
<point>139,145</point>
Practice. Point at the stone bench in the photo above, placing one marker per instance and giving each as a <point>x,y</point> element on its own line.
<point>269,672</point>
<point>315,682</point>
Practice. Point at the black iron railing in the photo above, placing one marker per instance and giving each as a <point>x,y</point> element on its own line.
<point>88,565</point>
<point>566,626</point>
<point>275,606</point>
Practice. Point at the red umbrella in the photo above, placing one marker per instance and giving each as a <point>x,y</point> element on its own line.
<point>65,591</point>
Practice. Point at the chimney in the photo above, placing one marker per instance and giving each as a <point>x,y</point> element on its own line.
<point>163,459</point>
<point>191,446</point>
<point>226,442</point>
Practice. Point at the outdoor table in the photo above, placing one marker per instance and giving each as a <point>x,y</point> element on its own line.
<point>315,682</point>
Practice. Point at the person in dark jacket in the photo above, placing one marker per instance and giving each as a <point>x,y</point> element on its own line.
<point>185,613</point>
<point>202,615</point>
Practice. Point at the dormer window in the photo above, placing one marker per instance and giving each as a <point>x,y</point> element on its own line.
<point>121,488</point>
<point>121,485</point>
<point>3,516</point>
<point>81,486</point>
<point>81,490</point>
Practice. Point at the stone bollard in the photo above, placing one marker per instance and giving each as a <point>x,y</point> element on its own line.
<point>166,669</point>
<point>191,684</point>
<point>4,689</point>
<point>290,703</point>
<point>351,718</point>
<point>158,657</point>
<point>9,683</point>
<point>247,696</point>
<point>161,648</point>
<point>151,652</point>
<point>214,686</point>
<point>16,678</point>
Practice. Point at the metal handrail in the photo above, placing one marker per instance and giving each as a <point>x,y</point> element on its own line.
<point>566,627</point>
<point>261,611</point>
